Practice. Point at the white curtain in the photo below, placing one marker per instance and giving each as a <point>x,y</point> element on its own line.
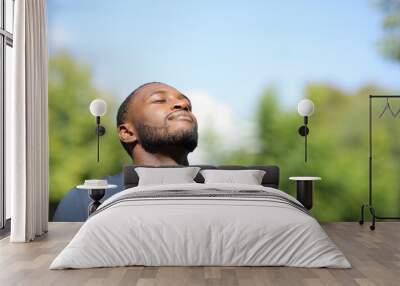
<point>27,124</point>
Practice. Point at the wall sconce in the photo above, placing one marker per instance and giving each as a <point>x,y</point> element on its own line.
<point>305,108</point>
<point>98,107</point>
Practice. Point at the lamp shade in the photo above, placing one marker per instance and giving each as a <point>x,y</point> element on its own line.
<point>305,107</point>
<point>98,107</point>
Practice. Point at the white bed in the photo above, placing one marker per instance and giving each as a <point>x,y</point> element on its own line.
<point>201,224</point>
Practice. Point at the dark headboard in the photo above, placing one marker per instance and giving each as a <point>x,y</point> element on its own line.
<point>270,179</point>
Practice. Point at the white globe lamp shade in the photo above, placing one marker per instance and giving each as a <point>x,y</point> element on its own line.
<point>305,107</point>
<point>98,107</point>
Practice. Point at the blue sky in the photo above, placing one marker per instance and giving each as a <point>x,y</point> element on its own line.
<point>230,50</point>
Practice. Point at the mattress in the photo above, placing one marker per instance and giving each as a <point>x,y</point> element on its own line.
<point>201,225</point>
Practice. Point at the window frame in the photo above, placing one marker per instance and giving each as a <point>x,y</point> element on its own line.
<point>6,39</point>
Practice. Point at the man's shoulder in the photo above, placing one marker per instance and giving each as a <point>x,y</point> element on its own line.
<point>116,179</point>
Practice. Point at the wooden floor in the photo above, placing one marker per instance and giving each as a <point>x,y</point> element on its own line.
<point>374,255</point>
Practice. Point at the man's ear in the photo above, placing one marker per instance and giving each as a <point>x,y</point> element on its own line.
<point>127,133</point>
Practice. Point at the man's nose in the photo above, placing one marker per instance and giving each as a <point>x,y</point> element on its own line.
<point>180,104</point>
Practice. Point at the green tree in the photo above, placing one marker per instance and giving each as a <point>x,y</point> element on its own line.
<point>390,44</point>
<point>72,136</point>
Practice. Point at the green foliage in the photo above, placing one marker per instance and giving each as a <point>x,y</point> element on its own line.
<point>390,44</point>
<point>72,136</point>
<point>338,150</point>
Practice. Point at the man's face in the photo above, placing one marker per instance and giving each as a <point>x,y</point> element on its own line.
<point>162,117</point>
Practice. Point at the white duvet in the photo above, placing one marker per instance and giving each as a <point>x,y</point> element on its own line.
<point>206,230</point>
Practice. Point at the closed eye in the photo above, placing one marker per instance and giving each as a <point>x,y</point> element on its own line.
<point>159,101</point>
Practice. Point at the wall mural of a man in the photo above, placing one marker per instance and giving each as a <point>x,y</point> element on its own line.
<point>156,127</point>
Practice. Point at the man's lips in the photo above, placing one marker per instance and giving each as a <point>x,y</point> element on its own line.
<point>180,115</point>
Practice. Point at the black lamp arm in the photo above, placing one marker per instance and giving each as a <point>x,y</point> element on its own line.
<point>303,131</point>
<point>100,131</point>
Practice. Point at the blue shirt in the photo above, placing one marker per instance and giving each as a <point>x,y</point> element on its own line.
<point>74,206</point>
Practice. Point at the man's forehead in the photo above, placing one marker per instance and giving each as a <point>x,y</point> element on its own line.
<point>154,88</point>
<point>147,91</point>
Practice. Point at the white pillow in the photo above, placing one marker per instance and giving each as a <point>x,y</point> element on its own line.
<point>162,176</point>
<point>248,177</point>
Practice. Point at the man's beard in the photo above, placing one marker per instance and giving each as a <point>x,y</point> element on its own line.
<point>159,139</point>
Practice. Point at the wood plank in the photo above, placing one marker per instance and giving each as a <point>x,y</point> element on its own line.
<point>374,255</point>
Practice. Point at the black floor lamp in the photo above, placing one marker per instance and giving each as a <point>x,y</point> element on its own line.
<point>370,206</point>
